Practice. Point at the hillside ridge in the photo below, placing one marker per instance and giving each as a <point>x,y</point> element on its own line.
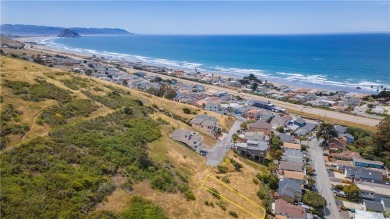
<point>24,29</point>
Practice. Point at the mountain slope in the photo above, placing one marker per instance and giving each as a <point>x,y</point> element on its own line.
<point>68,33</point>
<point>22,29</point>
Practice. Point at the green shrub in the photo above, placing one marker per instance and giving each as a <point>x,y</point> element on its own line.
<point>237,166</point>
<point>214,193</point>
<point>163,180</point>
<point>112,100</point>
<point>57,115</point>
<point>314,199</point>
<point>225,179</point>
<point>221,205</point>
<point>75,83</point>
<point>187,110</point>
<point>222,169</point>
<point>140,208</point>
<point>18,87</point>
<point>73,165</point>
<point>189,195</point>
<point>233,214</point>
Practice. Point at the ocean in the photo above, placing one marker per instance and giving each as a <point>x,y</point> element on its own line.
<point>337,62</point>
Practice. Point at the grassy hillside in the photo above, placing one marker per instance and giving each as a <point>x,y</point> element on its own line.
<point>10,42</point>
<point>77,147</point>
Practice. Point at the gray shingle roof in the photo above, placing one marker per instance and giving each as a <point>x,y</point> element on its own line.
<point>373,206</point>
<point>290,166</point>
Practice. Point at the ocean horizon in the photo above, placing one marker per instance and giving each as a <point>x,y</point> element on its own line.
<point>322,61</point>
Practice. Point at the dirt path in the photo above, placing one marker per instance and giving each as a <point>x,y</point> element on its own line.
<point>33,124</point>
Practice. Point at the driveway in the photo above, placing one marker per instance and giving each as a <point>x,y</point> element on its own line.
<point>322,180</point>
<point>217,153</point>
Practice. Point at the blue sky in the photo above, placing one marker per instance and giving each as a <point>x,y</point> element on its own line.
<point>205,17</point>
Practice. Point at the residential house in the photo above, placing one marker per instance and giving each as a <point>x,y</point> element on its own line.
<point>266,116</point>
<point>256,136</point>
<point>240,110</point>
<point>255,150</point>
<point>361,174</point>
<point>373,206</point>
<point>293,153</point>
<point>368,163</point>
<point>261,104</point>
<point>215,107</point>
<point>341,164</point>
<point>367,193</point>
<point>287,145</point>
<point>260,126</point>
<point>360,214</point>
<point>300,122</point>
<point>206,124</point>
<point>188,137</point>
<point>310,97</point>
<point>290,191</point>
<point>292,159</point>
<point>283,165</point>
<point>347,137</point>
<point>252,113</point>
<point>386,204</point>
<point>340,129</point>
<point>285,137</point>
<point>306,129</point>
<point>283,208</point>
<point>297,177</point>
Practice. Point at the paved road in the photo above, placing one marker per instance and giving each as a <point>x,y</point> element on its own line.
<point>322,180</point>
<point>217,153</point>
<point>314,111</point>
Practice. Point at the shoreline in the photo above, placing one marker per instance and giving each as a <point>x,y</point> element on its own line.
<point>313,87</point>
<point>298,109</point>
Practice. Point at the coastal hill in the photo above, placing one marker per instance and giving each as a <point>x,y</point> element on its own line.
<point>68,33</point>
<point>21,29</point>
<point>87,148</point>
<point>10,43</point>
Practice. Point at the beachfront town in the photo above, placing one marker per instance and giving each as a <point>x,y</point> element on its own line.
<point>317,173</point>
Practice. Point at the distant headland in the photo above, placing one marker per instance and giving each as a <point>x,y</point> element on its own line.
<point>35,30</point>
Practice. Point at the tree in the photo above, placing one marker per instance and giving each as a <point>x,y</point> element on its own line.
<point>310,182</point>
<point>128,110</point>
<point>326,132</point>
<point>235,137</point>
<point>254,86</point>
<point>276,143</point>
<point>272,167</point>
<point>280,129</point>
<point>187,110</point>
<point>351,191</point>
<point>277,155</point>
<point>309,170</point>
<point>170,93</point>
<point>244,126</point>
<point>382,138</point>
<point>314,199</point>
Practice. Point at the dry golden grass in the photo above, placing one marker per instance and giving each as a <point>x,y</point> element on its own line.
<point>20,70</point>
<point>182,158</point>
<point>9,41</point>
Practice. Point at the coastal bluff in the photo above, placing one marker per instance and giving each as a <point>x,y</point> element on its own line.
<point>68,33</point>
